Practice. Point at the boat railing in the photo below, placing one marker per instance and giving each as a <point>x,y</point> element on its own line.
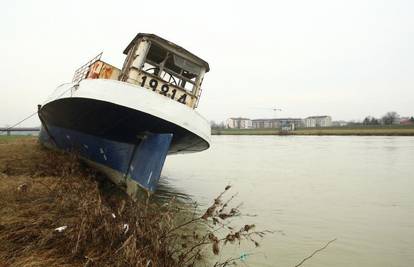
<point>82,71</point>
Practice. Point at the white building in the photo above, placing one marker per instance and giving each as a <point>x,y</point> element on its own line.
<point>339,123</point>
<point>277,123</point>
<point>239,123</point>
<point>318,121</point>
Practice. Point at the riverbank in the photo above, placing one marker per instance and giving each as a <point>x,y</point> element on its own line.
<point>9,138</point>
<point>56,211</point>
<point>394,130</point>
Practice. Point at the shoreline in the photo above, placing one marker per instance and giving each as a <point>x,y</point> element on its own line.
<point>56,210</point>
<point>329,131</point>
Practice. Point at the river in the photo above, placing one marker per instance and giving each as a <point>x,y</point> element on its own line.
<point>309,190</point>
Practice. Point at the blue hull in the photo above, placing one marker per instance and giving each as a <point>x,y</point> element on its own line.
<point>128,145</point>
<point>131,166</point>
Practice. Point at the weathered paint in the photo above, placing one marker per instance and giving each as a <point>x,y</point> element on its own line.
<point>136,57</point>
<point>169,46</point>
<point>167,89</point>
<point>198,90</point>
<point>128,165</point>
<point>102,70</point>
<point>135,61</point>
<point>186,90</point>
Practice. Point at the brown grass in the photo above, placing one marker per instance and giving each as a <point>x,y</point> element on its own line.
<point>41,190</point>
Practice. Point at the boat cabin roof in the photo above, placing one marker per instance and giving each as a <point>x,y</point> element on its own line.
<point>168,45</point>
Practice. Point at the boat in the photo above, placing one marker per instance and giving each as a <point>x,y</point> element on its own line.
<point>124,122</point>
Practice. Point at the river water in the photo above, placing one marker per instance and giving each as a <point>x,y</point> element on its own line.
<point>311,189</point>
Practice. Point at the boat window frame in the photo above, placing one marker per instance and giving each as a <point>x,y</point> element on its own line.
<point>161,68</point>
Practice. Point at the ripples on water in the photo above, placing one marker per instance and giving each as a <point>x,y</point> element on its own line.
<point>313,189</point>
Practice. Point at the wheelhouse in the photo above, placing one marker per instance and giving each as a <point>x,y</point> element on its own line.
<point>157,65</point>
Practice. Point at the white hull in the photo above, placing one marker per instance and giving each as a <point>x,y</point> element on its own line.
<point>137,98</point>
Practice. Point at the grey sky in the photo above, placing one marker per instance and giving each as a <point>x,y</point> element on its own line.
<point>347,59</point>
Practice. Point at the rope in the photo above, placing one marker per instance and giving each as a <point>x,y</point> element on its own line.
<point>64,92</point>
<point>31,115</point>
<point>25,119</point>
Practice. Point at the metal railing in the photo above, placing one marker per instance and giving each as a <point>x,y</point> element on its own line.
<point>81,72</point>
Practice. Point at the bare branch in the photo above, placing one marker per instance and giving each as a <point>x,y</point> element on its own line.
<point>316,251</point>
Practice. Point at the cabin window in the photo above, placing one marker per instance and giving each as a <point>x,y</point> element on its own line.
<point>171,68</point>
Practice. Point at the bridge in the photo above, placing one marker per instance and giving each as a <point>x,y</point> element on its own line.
<point>9,130</point>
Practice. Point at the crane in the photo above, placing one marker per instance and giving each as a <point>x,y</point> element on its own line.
<point>274,109</point>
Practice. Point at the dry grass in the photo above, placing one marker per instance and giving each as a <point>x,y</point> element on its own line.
<point>41,190</point>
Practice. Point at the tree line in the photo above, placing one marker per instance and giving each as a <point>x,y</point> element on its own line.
<point>389,118</point>
<point>217,125</point>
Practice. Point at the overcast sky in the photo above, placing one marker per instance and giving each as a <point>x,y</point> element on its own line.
<point>347,59</point>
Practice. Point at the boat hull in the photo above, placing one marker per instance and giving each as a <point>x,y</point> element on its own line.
<point>130,166</point>
<point>123,130</point>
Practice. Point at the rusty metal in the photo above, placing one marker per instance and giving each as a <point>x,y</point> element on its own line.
<point>82,71</point>
<point>169,46</point>
<point>102,70</point>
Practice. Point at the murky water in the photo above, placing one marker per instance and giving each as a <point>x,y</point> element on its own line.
<point>359,190</point>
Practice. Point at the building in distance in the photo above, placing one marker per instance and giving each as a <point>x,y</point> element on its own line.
<point>293,123</point>
<point>406,121</point>
<point>239,123</point>
<point>318,121</point>
<point>339,123</point>
<point>279,123</point>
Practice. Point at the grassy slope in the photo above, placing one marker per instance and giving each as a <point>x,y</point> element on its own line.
<point>9,138</point>
<point>41,190</point>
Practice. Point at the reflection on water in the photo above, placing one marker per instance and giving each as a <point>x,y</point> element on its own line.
<point>314,189</point>
<point>166,191</point>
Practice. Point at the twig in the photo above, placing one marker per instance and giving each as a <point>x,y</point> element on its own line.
<point>180,226</point>
<point>228,261</point>
<point>316,251</point>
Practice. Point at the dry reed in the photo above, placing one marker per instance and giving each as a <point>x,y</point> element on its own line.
<point>55,211</point>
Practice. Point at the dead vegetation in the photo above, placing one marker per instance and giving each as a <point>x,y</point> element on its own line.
<point>56,212</point>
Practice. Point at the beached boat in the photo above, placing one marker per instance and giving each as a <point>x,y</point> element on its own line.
<point>125,121</point>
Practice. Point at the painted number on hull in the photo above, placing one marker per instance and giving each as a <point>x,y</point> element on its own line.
<point>163,89</point>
